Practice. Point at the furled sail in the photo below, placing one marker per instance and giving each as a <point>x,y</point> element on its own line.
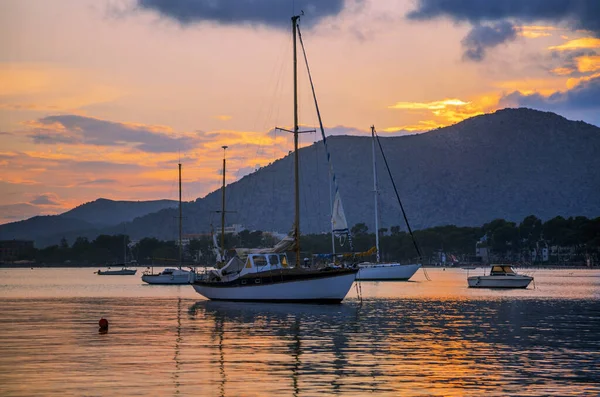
<point>216,249</point>
<point>339,226</point>
<point>338,217</point>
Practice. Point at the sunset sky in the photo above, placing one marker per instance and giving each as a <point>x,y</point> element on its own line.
<point>104,98</point>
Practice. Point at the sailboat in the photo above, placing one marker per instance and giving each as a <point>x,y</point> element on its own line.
<point>266,274</point>
<point>378,271</point>
<point>119,272</point>
<point>171,276</point>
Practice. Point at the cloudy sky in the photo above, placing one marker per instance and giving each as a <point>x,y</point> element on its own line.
<point>104,98</point>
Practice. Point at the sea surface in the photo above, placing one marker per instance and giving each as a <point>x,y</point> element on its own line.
<point>416,338</point>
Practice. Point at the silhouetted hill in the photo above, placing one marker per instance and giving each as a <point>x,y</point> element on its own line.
<point>84,220</point>
<point>508,164</point>
<point>104,212</point>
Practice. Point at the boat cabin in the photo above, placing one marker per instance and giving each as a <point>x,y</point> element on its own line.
<point>502,270</point>
<point>252,263</point>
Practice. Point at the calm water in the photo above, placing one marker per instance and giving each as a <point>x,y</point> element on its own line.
<point>407,338</point>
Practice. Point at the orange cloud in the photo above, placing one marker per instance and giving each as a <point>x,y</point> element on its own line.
<point>572,82</point>
<point>562,71</point>
<point>584,42</point>
<point>436,105</point>
<point>588,63</point>
<point>533,31</point>
<point>223,117</point>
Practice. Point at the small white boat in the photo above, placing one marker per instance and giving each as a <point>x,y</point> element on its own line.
<point>169,276</point>
<point>172,276</point>
<point>501,276</point>
<point>122,272</point>
<point>368,271</point>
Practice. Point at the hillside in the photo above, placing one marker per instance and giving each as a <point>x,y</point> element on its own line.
<point>85,220</point>
<point>508,164</point>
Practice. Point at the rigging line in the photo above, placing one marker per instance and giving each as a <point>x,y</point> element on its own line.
<point>398,197</point>
<point>312,86</point>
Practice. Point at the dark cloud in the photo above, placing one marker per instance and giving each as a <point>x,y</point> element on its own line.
<point>482,37</point>
<point>86,130</point>
<point>582,101</point>
<point>273,13</point>
<point>44,199</point>
<point>575,14</point>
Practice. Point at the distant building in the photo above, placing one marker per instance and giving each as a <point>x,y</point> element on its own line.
<point>11,249</point>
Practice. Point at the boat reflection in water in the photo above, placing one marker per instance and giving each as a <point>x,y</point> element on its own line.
<point>389,347</point>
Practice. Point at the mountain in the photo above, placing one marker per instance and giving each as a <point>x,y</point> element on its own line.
<point>104,212</point>
<point>507,164</point>
<point>88,220</point>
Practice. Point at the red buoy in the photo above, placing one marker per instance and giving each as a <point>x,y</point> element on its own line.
<point>103,323</point>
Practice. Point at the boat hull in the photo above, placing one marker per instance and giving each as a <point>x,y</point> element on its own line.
<point>124,272</point>
<point>325,287</point>
<point>162,279</point>
<point>499,281</point>
<point>386,271</point>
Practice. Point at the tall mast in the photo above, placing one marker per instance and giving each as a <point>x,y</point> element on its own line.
<point>331,210</point>
<point>296,178</point>
<point>223,210</point>
<point>375,192</point>
<point>180,247</point>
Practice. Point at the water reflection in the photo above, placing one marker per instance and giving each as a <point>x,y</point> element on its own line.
<point>438,339</point>
<point>404,346</point>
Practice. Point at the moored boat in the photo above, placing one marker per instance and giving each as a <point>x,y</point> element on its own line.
<point>170,276</point>
<point>378,271</point>
<point>121,272</point>
<point>266,274</point>
<point>501,276</point>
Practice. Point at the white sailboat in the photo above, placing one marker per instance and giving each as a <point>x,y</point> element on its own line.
<point>378,271</point>
<point>266,274</point>
<point>171,276</point>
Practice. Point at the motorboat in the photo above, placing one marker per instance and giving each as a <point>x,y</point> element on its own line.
<point>168,276</point>
<point>501,276</point>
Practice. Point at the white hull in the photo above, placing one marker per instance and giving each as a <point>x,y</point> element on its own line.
<point>386,271</point>
<point>517,281</point>
<point>325,289</point>
<point>122,272</point>
<point>166,279</point>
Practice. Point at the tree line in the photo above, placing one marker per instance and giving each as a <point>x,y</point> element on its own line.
<point>574,240</point>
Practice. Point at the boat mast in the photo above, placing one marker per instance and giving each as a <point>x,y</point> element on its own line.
<point>223,210</point>
<point>180,247</point>
<point>375,192</point>
<point>296,177</point>
<point>331,198</point>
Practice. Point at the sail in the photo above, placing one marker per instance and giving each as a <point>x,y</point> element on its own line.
<point>288,243</point>
<point>216,249</point>
<point>339,226</point>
